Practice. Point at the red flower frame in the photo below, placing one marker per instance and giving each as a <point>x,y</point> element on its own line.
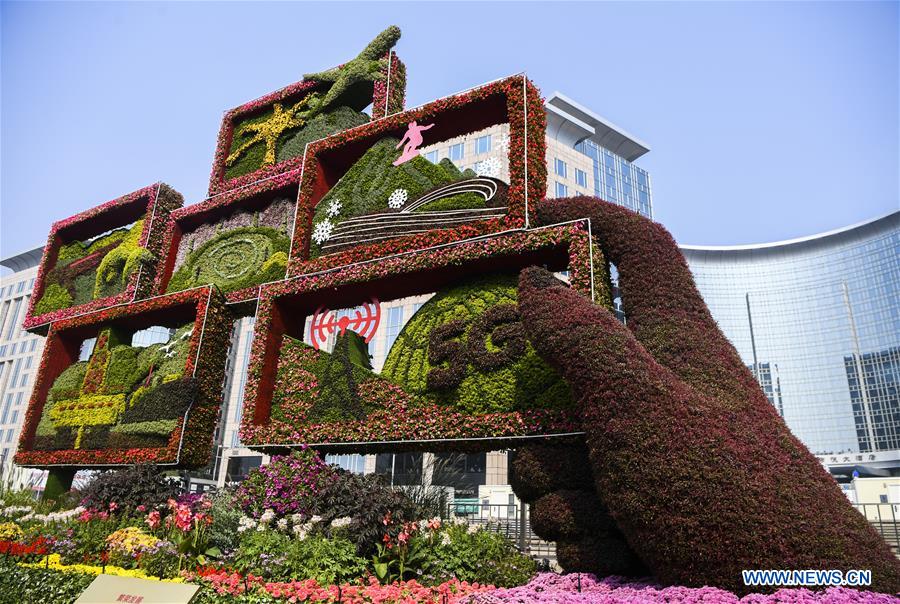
<point>152,203</point>
<point>190,444</point>
<point>294,92</point>
<point>514,100</point>
<point>284,306</point>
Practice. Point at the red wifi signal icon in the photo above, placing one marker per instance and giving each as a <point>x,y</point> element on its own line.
<point>364,321</point>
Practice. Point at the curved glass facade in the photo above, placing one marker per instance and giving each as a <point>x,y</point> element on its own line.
<point>818,322</point>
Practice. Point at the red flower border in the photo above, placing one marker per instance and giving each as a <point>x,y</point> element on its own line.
<point>210,210</point>
<point>217,181</point>
<point>514,99</point>
<point>505,251</point>
<point>156,201</point>
<point>191,444</point>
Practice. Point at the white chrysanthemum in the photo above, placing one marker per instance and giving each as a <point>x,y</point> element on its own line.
<point>334,208</point>
<point>267,516</point>
<point>472,529</point>
<point>445,539</point>
<point>488,167</point>
<point>246,523</point>
<point>299,531</point>
<point>282,524</point>
<point>503,143</point>
<point>341,522</point>
<point>315,519</point>
<point>398,198</point>
<point>322,232</point>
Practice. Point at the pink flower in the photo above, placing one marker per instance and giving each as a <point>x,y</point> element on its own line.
<point>142,508</point>
<point>113,506</point>
<point>183,518</point>
<point>153,519</point>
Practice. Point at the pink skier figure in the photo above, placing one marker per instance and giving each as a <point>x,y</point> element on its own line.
<point>413,138</point>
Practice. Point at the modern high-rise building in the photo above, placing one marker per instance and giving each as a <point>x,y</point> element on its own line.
<point>20,356</point>
<point>818,321</point>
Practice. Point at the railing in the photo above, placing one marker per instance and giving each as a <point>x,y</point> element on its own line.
<point>505,520</point>
<point>885,517</point>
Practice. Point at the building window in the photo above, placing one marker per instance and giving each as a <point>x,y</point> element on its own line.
<point>394,324</point>
<point>432,156</point>
<point>580,178</point>
<point>33,345</point>
<point>562,190</point>
<point>21,287</point>
<point>560,167</point>
<point>483,144</point>
<point>456,152</point>
<point>87,347</point>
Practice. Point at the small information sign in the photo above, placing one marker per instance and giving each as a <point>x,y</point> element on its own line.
<point>110,589</point>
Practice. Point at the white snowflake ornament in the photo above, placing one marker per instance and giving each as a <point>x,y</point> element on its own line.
<point>398,198</point>
<point>334,208</point>
<point>488,167</point>
<point>322,232</point>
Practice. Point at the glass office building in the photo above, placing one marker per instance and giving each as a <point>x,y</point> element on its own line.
<point>817,320</point>
<point>20,356</point>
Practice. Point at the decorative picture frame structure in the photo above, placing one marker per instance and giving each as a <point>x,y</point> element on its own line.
<point>283,308</point>
<point>152,204</point>
<point>250,198</point>
<point>388,96</point>
<point>514,100</point>
<point>190,442</point>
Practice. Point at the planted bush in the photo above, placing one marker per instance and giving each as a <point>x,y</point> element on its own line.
<point>141,485</point>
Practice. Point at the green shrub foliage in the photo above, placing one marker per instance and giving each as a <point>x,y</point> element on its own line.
<point>236,259</point>
<point>466,348</point>
<point>702,475</point>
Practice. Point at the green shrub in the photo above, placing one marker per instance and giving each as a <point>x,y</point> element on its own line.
<point>19,584</point>
<point>481,556</point>
<point>226,513</point>
<point>328,561</point>
<point>339,375</point>
<point>55,297</point>
<point>236,259</point>
<point>262,553</point>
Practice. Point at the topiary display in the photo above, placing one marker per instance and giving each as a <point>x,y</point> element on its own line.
<point>235,259</point>
<point>87,270</point>
<point>123,397</point>
<point>319,126</point>
<point>698,470</point>
<point>314,386</point>
<point>466,348</point>
<point>374,185</point>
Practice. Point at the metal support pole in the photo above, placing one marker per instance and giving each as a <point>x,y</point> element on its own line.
<point>523,524</point>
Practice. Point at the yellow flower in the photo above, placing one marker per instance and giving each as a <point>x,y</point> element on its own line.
<point>53,562</point>
<point>131,539</point>
<point>10,531</point>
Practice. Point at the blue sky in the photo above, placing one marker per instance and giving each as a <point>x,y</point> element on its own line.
<point>766,121</point>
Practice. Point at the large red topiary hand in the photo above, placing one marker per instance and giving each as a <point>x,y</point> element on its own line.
<point>699,472</point>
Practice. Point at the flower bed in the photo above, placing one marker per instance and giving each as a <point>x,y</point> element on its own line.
<point>576,588</point>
